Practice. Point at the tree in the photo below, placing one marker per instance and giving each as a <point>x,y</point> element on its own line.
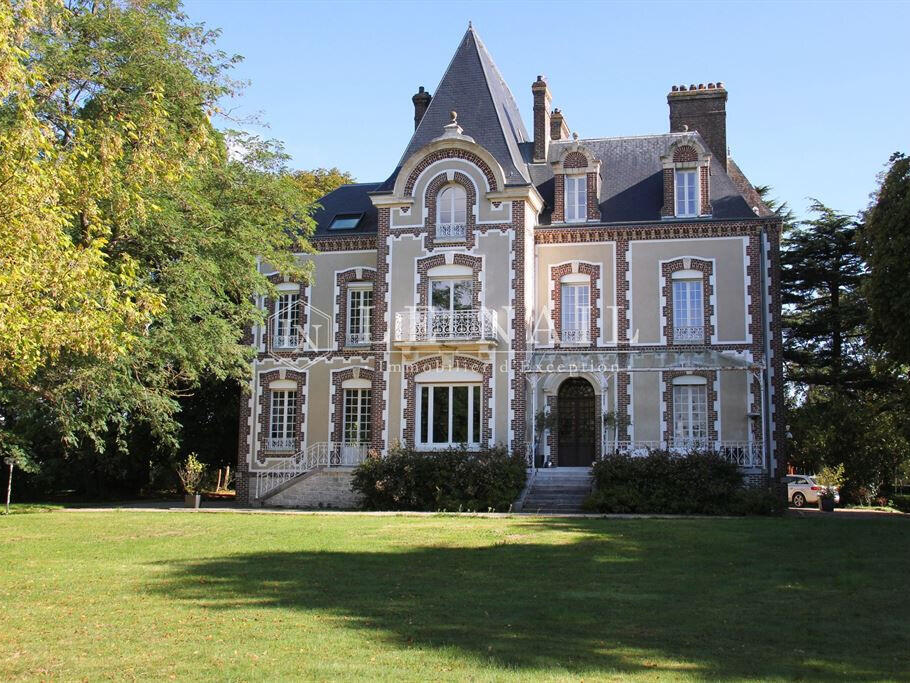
<point>163,230</point>
<point>824,312</point>
<point>320,181</point>
<point>886,247</point>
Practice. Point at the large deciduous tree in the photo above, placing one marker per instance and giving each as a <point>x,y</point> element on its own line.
<point>886,246</point>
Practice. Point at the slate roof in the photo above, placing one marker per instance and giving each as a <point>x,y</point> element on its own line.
<point>347,199</point>
<point>473,87</point>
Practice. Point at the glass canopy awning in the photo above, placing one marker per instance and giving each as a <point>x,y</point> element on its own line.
<point>567,360</point>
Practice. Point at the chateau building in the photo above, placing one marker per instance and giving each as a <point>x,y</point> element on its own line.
<point>569,298</point>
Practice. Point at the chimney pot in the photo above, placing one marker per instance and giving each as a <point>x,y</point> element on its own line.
<point>675,88</point>
<point>702,109</point>
<point>421,103</point>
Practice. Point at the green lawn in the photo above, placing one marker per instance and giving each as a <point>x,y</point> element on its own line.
<point>233,596</point>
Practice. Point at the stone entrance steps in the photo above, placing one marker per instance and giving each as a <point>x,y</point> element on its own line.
<point>558,490</point>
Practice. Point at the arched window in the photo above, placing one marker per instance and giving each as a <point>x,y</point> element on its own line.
<point>451,213</point>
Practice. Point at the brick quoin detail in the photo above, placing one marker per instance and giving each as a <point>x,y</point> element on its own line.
<point>475,263</point>
<point>338,378</point>
<point>710,376</point>
<point>706,269</point>
<point>556,275</point>
<point>519,330</point>
<point>433,189</point>
<point>380,332</point>
<point>552,434</point>
<point>342,280</point>
<point>265,411</point>
<point>458,363</point>
<point>450,153</point>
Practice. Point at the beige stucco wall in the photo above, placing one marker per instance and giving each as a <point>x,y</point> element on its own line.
<point>734,405</point>
<point>600,253</point>
<point>729,284</point>
<point>646,401</point>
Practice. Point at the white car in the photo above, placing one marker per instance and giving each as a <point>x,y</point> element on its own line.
<point>802,489</point>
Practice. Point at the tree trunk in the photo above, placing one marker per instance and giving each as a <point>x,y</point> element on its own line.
<point>9,486</point>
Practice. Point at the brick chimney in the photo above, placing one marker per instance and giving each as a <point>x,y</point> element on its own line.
<point>559,130</point>
<point>702,108</point>
<point>541,118</point>
<point>421,102</point>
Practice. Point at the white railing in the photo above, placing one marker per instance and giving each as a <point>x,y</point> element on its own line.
<point>281,444</point>
<point>689,334</point>
<point>742,453</point>
<point>285,341</point>
<point>426,324</point>
<point>358,339</point>
<point>324,454</point>
<point>451,232</point>
<point>575,336</point>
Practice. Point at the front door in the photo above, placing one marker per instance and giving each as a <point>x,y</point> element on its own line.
<point>576,427</point>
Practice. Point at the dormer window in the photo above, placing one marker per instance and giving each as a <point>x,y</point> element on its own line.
<point>576,198</point>
<point>451,214</point>
<point>686,193</point>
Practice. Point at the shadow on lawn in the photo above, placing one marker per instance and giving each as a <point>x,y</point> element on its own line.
<point>708,599</point>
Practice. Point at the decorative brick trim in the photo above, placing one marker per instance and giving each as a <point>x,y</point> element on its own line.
<point>553,434</point>
<point>623,406</point>
<point>667,377</point>
<point>575,160</point>
<point>518,384</point>
<point>342,281</point>
<point>475,263</point>
<point>557,272</point>
<point>706,268</point>
<point>265,410</point>
<point>338,378</point>
<point>380,332</point>
<point>571,234</point>
<point>434,187</point>
<point>685,153</point>
<point>458,363</point>
<point>242,476</point>
<point>450,153</point>
<point>362,242</point>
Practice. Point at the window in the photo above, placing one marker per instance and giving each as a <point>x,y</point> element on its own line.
<point>345,221</point>
<point>575,305</point>
<point>286,321</point>
<point>451,209</point>
<point>686,193</point>
<point>688,312</point>
<point>690,415</point>
<point>360,306</point>
<point>452,314</point>
<point>283,421</point>
<point>576,198</point>
<point>448,415</point>
<point>356,416</point>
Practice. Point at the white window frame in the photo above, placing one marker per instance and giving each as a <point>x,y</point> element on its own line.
<point>451,213</point>
<point>362,336</point>
<point>287,320</point>
<point>690,414</point>
<point>575,310</point>
<point>475,392</point>
<point>575,200</point>
<point>690,205</point>
<point>360,400</point>
<point>688,310</point>
<point>283,404</point>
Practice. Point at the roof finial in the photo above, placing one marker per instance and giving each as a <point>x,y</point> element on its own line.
<point>574,136</point>
<point>454,115</point>
<point>469,25</point>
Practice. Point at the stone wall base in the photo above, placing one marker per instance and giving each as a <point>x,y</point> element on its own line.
<point>322,488</point>
<point>755,480</point>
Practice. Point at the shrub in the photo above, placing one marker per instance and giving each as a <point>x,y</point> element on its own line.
<point>665,483</point>
<point>901,502</point>
<point>191,473</point>
<point>452,479</point>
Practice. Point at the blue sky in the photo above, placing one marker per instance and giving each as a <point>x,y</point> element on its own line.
<point>819,91</point>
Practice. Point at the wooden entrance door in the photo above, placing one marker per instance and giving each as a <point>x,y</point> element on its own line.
<point>576,423</point>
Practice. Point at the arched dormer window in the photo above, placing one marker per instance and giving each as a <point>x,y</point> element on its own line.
<point>686,177</point>
<point>451,214</point>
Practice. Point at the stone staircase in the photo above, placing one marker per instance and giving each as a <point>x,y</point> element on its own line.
<point>558,490</point>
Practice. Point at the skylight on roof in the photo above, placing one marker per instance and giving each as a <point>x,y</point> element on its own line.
<point>345,221</point>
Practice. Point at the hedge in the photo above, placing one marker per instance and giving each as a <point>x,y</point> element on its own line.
<point>455,479</point>
<point>668,483</point>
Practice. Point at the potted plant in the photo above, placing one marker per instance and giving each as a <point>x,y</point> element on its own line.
<point>191,472</point>
<point>830,479</point>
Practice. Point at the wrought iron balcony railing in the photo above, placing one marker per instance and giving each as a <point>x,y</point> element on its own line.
<point>689,334</point>
<point>742,453</point>
<point>429,325</point>
<point>358,339</point>
<point>575,336</point>
<point>451,232</point>
<point>287,443</point>
<point>285,341</point>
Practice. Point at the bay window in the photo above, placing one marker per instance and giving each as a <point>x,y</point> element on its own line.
<point>686,193</point>
<point>576,198</point>
<point>283,420</point>
<point>448,415</point>
<point>688,311</point>
<point>360,306</point>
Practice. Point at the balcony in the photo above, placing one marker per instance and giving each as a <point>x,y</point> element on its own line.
<point>689,334</point>
<point>425,326</point>
<point>285,341</point>
<point>281,444</point>
<point>357,339</point>
<point>451,232</point>
<point>577,337</point>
